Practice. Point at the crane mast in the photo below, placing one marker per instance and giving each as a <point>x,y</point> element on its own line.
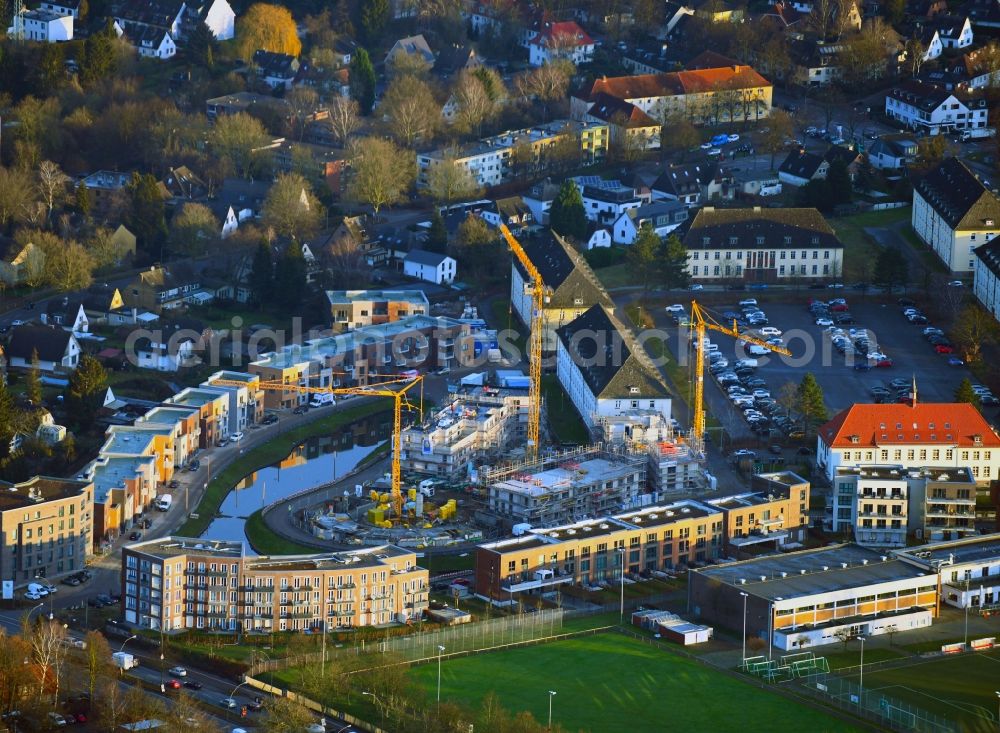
<point>535,288</point>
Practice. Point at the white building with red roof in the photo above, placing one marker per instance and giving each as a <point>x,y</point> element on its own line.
<point>912,436</point>
<point>561,41</point>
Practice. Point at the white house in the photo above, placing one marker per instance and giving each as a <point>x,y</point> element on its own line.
<point>164,357</point>
<point>561,41</point>
<point>954,213</point>
<point>168,15</point>
<point>512,211</point>
<point>62,7</point>
<point>605,201</point>
<point>599,237</point>
<point>220,19</point>
<point>230,223</point>
<point>986,283</point>
<point>933,48</point>
<point>663,216</point>
<point>604,371</point>
<point>67,313</point>
<point>57,349</point>
<point>891,153</point>
<point>801,167</point>
<point>954,31</point>
<point>149,41</point>
<point>934,109</point>
<point>44,26</point>
<point>430,266</point>
<point>911,435</point>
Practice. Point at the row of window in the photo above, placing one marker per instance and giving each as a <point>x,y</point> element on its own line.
<point>738,270</point>
<point>760,240</point>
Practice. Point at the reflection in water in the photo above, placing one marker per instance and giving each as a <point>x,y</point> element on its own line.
<point>316,462</point>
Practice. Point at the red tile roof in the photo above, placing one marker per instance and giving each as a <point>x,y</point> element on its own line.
<point>679,82</point>
<point>903,424</point>
<point>563,34</point>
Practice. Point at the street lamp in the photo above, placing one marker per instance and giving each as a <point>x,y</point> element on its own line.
<point>232,696</point>
<point>967,600</point>
<point>440,649</point>
<point>121,667</point>
<point>745,596</point>
<point>381,710</point>
<point>861,673</point>
<point>998,708</point>
<point>621,571</point>
<point>552,693</point>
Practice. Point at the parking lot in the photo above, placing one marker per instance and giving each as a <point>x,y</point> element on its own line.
<point>812,350</point>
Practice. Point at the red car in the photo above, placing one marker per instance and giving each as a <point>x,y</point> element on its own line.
<point>174,684</point>
<point>839,307</point>
<point>884,362</point>
<point>81,718</point>
<point>944,349</point>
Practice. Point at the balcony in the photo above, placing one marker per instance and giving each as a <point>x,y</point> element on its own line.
<point>756,538</point>
<point>297,614</point>
<point>951,501</point>
<point>951,513</point>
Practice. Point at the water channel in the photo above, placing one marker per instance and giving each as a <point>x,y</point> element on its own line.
<point>315,462</point>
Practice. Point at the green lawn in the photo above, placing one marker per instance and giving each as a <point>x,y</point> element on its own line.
<point>266,542</point>
<point>621,275</point>
<point>450,563</point>
<point>563,417</point>
<point>265,455</point>
<point>504,317</point>
<point>960,688</point>
<point>858,245</point>
<point>610,682</point>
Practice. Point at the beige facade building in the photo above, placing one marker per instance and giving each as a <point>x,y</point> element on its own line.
<point>184,583</point>
<point>350,309</point>
<point>46,525</point>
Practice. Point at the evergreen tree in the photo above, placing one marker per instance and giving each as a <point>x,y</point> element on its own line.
<point>642,253</point>
<point>82,201</point>
<point>290,277</point>
<point>839,183</point>
<point>891,267</point>
<point>673,263</point>
<point>99,59</point>
<point>33,382</point>
<point>965,393</point>
<point>262,273</point>
<point>437,235</point>
<point>374,15</point>
<point>147,218</point>
<point>362,80</point>
<point>567,215</point>
<point>8,419</point>
<point>809,402</point>
<point>51,69</point>
<point>200,46</point>
<point>86,389</point>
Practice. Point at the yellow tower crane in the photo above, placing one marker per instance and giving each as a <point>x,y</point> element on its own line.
<point>535,287</point>
<point>381,389</point>
<point>701,321</point>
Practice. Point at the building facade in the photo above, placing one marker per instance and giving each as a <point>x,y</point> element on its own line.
<point>934,109</point>
<point>350,309</point>
<point>46,526</point>
<point>954,212</point>
<point>182,583</point>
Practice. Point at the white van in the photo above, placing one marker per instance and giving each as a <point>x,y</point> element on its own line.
<point>37,589</point>
<point>426,487</point>
<point>320,399</point>
<point>164,502</point>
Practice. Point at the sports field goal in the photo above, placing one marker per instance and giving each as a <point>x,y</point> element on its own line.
<point>806,667</point>
<point>749,661</point>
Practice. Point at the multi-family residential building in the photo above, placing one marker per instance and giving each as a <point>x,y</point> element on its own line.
<point>762,245</point>
<point>935,110</point>
<point>212,406</point>
<point>631,129</point>
<point>774,514</point>
<point>954,212</point>
<point>730,93</point>
<point>605,201</point>
<point>883,505</point>
<point>605,371</point>
<point>571,284</point>
<point>432,267</point>
<point>807,598</point>
<point>986,276</point>
<point>46,528</point>
<point>349,359</point>
<point>246,401</point>
<point>662,217</point>
<point>691,183</point>
<point>184,424</point>
<point>350,309</point>
<point>946,435</point>
<point>185,583</point>
<point>475,425</point>
<point>594,551</point>
<point>124,486</point>
<point>485,163</point>
<point>43,26</point>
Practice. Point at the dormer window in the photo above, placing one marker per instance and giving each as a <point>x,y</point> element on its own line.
<point>855,439</point>
<point>989,222</point>
<point>633,390</point>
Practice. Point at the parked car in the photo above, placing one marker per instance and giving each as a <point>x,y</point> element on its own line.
<point>192,684</point>
<point>177,672</point>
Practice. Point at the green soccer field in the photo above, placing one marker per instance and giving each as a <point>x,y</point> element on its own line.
<point>610,682</point>
<point>960,688</point>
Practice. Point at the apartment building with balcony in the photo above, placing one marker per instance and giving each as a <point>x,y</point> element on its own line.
<point>935,109</point>
<point>46,528</point>
<point>595,551</point>
<point>883,505</point>
<point>213,412</point>
<point>183,424</point>
<point>246,401</point>
<point>773,515</point>
<point>351,309</point>
<point>474,426</point>
<point>186,583</point>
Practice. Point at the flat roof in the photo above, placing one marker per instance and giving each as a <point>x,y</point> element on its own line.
<point>172,413</point>
<point>804,573</point>
<point>974,549</point>
<point>38,489</point>
<point>938,474</point>
<point>111,471</point>
<point>351,296</point>
<point>232,377</point>
<point>174,546</point>
<point>127,440</point>
<point>195,396</point>
<point>742,501</point>
<point>554,479</point>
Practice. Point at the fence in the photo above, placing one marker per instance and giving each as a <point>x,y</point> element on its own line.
<point>313,705</point>
<point>872,705</point>
<point>488,634</point>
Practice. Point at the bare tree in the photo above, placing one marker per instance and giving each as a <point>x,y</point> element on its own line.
<point>381,172</point>
<point>547,84</point>
<point>17,195</point>
<point>97,660</point>
<point>344,118</point>
<point>478,94</point>
<point>413,112</point>
<point>915,50</point>
<point>48,651</point>
<point>303,103</point>
<point>449,181</point>
<point>51,185</point>
<point>973,327</point>
<point>291,208</point>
